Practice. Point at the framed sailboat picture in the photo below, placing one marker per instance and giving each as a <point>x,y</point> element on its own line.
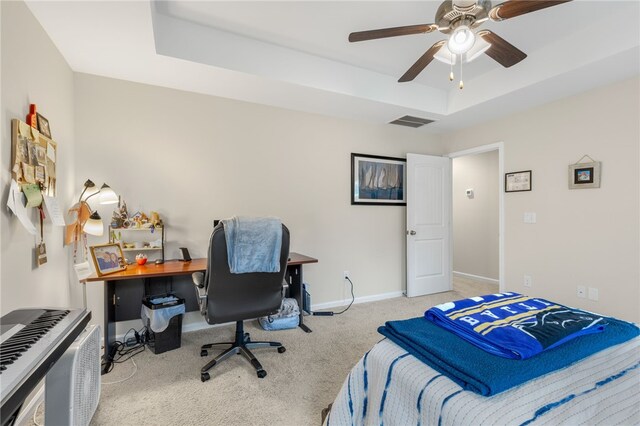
<point>377,180</point>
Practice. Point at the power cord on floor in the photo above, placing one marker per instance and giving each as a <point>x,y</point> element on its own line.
<point>35,413</point>
<point>127,378</point>
<point>331,313</point>
<point>121,353</point>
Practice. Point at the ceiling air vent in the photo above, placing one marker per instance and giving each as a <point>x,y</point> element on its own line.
<point>410,121</point>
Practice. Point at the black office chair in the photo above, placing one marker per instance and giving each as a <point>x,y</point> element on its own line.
<point>226,297</point>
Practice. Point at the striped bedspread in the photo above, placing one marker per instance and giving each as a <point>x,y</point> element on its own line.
<point>388,386</point>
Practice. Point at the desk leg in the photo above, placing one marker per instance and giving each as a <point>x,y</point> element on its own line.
<point>294,273</point>
<point>109,325</point>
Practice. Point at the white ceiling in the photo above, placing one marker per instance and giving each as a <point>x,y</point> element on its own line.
<point>296,55</point>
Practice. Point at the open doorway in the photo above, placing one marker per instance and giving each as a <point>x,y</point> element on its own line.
<point>477,219</point>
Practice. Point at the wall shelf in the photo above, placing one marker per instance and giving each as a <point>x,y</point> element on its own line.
<point>145,235</point>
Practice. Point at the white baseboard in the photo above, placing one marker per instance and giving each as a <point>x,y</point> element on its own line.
<point>363,299</point>
<point>201,325</point>
<point>477,277</point>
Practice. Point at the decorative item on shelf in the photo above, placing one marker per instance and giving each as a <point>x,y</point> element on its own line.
<point>141,259</point>
<point>584,175</point>
<point>155,220</point>
<point>31,117</point>
<point>120,215</point>
<point>85,220</point>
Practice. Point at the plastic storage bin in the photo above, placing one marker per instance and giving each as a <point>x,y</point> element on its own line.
<point>171,337</point>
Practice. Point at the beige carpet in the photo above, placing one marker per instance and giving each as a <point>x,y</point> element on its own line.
<point>166,389</point>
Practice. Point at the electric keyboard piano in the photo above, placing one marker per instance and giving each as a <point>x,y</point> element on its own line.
<point>31,342</point>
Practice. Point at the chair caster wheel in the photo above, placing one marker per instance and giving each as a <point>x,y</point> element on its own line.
<point>204,353</point>
<point>204,376</point>
<point>262,374</point>
<point>282,350</point>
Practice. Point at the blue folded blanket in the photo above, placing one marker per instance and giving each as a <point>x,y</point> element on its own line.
<point>253,244</point>
<point>513,325</point>
<point>476,370</point>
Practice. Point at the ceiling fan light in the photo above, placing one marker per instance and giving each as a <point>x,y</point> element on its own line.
<point>461,40</point>
<point>479,47</point>
<point>444,55</point>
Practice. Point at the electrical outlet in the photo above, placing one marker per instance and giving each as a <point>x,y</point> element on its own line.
<point>528,282</point>
<point>582,291</point>
<point>345,275</point>
<point>593,293</point>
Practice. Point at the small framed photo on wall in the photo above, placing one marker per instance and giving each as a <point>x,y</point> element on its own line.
<point>584,175</point>
<point>517,181</point>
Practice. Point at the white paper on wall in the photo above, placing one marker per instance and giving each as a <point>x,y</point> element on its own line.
<point>11,198</point>
<point>23,214</point>
<point>53,208</point>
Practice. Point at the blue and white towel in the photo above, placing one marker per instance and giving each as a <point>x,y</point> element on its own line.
<point>253,244</point>
<point>512,325</point>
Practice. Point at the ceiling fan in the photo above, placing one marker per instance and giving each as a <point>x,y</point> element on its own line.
<point>460,20</point>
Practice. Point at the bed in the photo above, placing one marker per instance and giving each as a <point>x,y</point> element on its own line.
<point>389,386</point>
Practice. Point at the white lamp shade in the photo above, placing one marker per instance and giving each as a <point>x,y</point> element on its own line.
<point>461,40</point>
<point>445,55</point>
<point>107,195</point>
<point>479,47</point>
<point>94,225</point>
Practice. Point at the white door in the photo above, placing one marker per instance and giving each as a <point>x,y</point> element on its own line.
<point>428,224</point>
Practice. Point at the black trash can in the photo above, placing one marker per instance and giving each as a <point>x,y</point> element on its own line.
<point>171,337</point>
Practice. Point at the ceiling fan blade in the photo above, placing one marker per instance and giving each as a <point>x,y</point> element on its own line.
<point>422,62</point>
<point>392,32</point>
<point>513,8</point>
<point>503,52</point>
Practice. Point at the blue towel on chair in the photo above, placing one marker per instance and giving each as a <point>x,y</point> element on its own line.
<point>477,370</point>
<point>253,244</point>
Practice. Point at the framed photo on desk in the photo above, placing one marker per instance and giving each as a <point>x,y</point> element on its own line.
<point>108,258</point>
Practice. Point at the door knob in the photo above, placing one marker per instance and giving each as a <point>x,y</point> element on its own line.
<point>411,232</point>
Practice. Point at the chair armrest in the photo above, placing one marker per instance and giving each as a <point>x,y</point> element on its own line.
<point>198,279</point>
<point>201,291</point>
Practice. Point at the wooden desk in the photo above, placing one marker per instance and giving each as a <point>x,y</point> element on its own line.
<point>172,268</point>
<point>294,277</point>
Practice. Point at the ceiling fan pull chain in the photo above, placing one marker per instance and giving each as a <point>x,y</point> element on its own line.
<point>461,86</point>
<point>451,63</point>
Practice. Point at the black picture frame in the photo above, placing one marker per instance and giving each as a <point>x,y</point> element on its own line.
<point>378,180</point>
<point>43,125</point>
<point>518,181</point>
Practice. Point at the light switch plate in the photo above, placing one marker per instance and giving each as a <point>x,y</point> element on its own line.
<point>582,291</point>
<point>529,217</point>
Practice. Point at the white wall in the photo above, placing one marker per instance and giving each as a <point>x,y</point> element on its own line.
<point>33,71</point>
<point>195,158</point>
<point>475,220</point>
<point>582,237</point>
